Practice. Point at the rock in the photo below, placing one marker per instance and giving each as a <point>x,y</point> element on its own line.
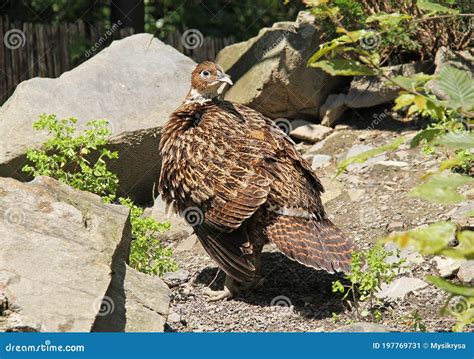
<point>393,163</point>
<point>342,127</point>
<point>332,109</point>
<point>364,327</point>
<point>320,161</point>
<point>311,133</point>
<point>179,229</point>
<point>446,266</point>
<point>402,155</point>
<point>392,226</point>
<point>466,272</point>
<point>410,256</point>
<point>134,83</point>
<point>357,150</point>
<point>370,91</point>
<point>332,189</point>
<point>174,318</point>
<point>270,71</point>
<point>144,303</point>
<point>187,244</point>
<point>59,248</point>
<point>176,278</point>
<point>399,288</point>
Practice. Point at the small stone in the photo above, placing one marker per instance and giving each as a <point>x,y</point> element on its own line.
<point>320,161</point>
<point>364,327</point>
<point>176,278</point>
<point>357,150</point>
<point>447,267</point>
<point>393,163</point>
<point>174,318</point>
<point>399,288</point>
<point>402,155</point>
<point>187,244</point>
<point>311,133</point>
<point>410,256</point>
<point>392,226</point>
<point>332,109</point>
<point>356,194</point>
<point>466,272</point>
<point>342,127</point>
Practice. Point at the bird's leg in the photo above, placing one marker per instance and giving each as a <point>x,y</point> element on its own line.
<point>228,292</point>
<point>233,287</point>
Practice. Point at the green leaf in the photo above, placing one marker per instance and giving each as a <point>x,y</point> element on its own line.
<point>391,20</point>
<point>428,240</point>
<point>458,86</point>
<point>441,188</point>
<point>447,286</point>
<point>364,156</point>
<point>470,213</point>
<point>343,67</point>
<point>403,100</point>
<point>434,8</point>
<point>462,140</point>
<point>410,82</point>
<point>428,135</point>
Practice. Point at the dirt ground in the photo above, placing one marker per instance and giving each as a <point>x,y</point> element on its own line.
<point>366,202</point>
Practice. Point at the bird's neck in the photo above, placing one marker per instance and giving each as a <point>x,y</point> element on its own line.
<point>199,96</point>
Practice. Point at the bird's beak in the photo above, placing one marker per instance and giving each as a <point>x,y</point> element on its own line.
<point>225,78</point>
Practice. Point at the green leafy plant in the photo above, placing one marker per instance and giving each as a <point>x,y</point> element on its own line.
<point>72,158</point>
<point>369,270</point>
<point>450,114</point>
<point>65,155</point>
<point>415,322</point>
<point>147,254</point>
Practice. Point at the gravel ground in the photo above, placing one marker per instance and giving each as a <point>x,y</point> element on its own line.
<point>367,202</point>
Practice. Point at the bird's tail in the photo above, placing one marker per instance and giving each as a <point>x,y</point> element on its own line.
<point>315,243</point>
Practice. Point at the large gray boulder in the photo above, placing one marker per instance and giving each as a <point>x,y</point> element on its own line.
<point>135,84</point>
<point>270,71</point>
<point>63,263</point>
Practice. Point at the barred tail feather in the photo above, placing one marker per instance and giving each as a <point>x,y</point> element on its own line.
<point>312,242</point>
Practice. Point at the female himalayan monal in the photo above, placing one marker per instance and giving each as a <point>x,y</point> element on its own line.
<point>240,182</point>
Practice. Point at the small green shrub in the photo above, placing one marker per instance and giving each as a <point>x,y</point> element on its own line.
<point>147,254</point>
<point>66,156</point>
<point>369,270</point>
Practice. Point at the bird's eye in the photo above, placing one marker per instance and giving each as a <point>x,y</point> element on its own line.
<point>205,74</point>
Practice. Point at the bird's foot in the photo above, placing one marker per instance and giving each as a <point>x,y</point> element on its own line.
<point>216,295</point>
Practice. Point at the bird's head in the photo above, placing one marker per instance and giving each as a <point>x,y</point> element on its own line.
<point>207,80</point>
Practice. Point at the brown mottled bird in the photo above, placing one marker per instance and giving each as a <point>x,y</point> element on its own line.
<point>237,178</point>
